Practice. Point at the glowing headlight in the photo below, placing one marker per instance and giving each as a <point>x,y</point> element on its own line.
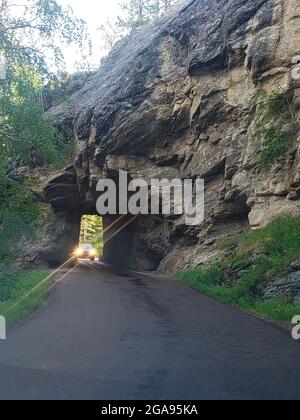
<point>92,252</point>
<point>79,252</point>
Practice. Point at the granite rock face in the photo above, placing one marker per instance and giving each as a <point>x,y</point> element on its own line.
<point>176,100</point>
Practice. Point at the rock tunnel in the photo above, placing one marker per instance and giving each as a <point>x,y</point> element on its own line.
<point>175,100</point>
<point>127,243</point>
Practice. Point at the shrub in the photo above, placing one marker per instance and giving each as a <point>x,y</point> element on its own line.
<point>278,245</point>
<point>273,114</point>
<point>21,293</point>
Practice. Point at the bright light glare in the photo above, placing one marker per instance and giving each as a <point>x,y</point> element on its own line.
<point>79,252</point>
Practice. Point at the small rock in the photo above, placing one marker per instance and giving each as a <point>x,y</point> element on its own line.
<point>215,138</point>
<point>255,257</point>
<point>295,266</point>
<point>209,242</point>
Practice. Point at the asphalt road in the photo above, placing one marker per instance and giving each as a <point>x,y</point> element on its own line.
<point>104,335</point>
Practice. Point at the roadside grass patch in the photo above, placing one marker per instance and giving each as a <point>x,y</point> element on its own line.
<point>275,248</point>
<point>276,309</point>
<point>16,299</point>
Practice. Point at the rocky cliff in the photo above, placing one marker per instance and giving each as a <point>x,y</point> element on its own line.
<point>208,91</point>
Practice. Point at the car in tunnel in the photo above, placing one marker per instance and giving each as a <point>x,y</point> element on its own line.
<point>86,251</point>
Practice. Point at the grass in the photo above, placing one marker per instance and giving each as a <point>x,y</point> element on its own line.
<point>16,298</point>
<point>276,310</point>
<point>273,115</point>
<point>274,248</point>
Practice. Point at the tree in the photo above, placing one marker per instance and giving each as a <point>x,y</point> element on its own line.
<point>92,232</point>
<point>136,13</point>
<point>141,12</point>
<point>110,33</point>
<point>24,133</point>
<point>32,33</point>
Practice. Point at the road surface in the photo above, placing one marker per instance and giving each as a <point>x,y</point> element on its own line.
<point>108,335</point>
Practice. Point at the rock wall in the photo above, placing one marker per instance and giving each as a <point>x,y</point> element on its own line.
<point>176,100</point>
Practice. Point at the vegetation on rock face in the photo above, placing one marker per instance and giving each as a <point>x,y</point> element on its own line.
<point>166,61</point>
<point>273,126</point>
<point>242,275</point>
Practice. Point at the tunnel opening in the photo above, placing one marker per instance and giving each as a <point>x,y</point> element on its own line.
<point>112,238</point>
<point>134,242</point>
<point>125,241</point>
<point>91,236</point>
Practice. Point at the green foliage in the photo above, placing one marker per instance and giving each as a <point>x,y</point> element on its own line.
<point>31,33</point>
<point>92,232</point>
<point>24,132</point>
<point>273,115</point>
<point>278,246</point>
<point>229,242</point>
<point>276,144</point>
<point>275,309</point>
<point>25,137</point>
<point>19,214</point>
<point>208,281</point>
<point>279,241</point>
<point>141,12</point>
<point>138,13</point>
<point>21,293</point>
<point>209,277</point>
<point>32,30</point>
